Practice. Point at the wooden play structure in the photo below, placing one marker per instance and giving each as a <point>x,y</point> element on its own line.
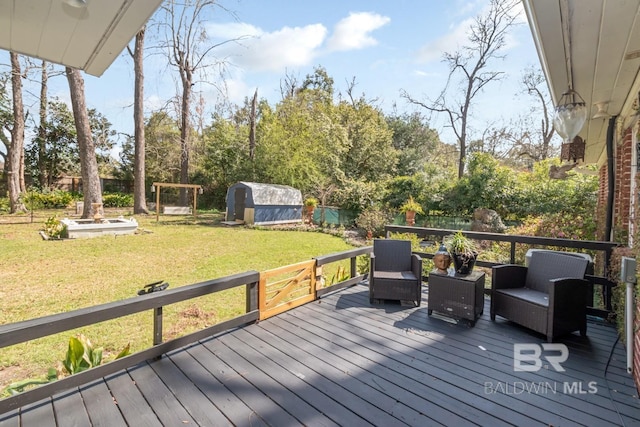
<point>157,188</point>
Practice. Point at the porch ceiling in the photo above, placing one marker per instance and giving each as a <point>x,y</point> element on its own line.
<point>596,45</point>
<point>88,38</point>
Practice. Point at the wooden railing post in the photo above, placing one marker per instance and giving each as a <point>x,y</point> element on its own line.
<point>252,296</point>
<point>157,325</point>
<point>354,267</point>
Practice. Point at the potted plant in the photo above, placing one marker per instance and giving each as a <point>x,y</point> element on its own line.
<point>410,208</point>
<point>310,204</point>
<point>463,251</point>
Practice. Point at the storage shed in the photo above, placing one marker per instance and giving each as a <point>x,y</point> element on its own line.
<point>263,204</point>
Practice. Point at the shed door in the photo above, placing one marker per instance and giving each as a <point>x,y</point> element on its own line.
<point>238,207</point>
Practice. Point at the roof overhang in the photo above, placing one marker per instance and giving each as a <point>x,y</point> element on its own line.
<point>89,38</point>
<point>594,46</point>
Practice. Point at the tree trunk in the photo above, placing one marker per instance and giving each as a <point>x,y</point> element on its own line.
<point>42,130</point>
<point>184,134</point>
<point>88,163</point>
<point>16,150</point>
<point>139,178</point>
<point>252,126</point>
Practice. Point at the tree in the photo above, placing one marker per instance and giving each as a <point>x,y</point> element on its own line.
<point>42,130</point>
<point>370,155</point>
<point>188,49</point>
<point>414,140</point>
<point>534,83</point>
<point>487,185</point>
<point>6,120</point>
<point>54,151</point>
<point>162,138</point>
<point>88,164</point>
<point>469,66</point>
<point>139,185</point>
<point>16,148</point>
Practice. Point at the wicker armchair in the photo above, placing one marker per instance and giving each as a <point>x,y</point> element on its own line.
<point>395,273</point>
<point>549,296</point>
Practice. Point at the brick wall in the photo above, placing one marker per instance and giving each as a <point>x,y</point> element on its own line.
<point>623,163</point>
<point>621,216</point>
<point>622,197</point>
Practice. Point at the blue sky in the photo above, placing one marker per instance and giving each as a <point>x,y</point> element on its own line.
<point>386,46</point>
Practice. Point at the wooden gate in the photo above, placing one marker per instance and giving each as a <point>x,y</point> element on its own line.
<point>287,287</point>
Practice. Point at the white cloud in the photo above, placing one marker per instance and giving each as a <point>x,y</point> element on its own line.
<point>257,50</point>
<point>433,51</point>
<point>459,34</point>
<point>353,32</point>
<point>153,103</point>
<point>237,91</point>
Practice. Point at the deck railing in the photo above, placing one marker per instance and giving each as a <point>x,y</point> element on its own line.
<point>599,279</point>
<point>16,333</point>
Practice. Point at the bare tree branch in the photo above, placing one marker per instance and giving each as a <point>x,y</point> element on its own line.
<point>488,35</point>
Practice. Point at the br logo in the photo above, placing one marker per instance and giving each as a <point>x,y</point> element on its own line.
<point>528,357</point>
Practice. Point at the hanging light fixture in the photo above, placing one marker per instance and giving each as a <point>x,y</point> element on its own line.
<point>573,151</point>
<point>571,113</point>
<point>76,3</point>
<point>602,110</point>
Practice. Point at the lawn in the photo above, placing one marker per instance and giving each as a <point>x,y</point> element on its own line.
<point>39,277</point>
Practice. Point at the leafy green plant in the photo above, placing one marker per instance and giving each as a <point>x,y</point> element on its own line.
<point>411,206</point>
<point>54,199</point>
<point>117,200</point>
<point>54,228</point>
<point>340,276</point>
<point>4,204</point>
<point>373,219</point>
<point>311,202</point>
<point>81,355</point>
<point>20,386</point>
<point>458,243</point>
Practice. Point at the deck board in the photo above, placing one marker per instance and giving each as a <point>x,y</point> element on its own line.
<point>369,402</point>
<point>263,408</point>
<point>40,414</point>
<point>69,409</point>
<point>238,357</point>
<point>343,361</point>
<point>160,399</point>
<point>100,405</point>
<point>485,368</point>
<point>236,410</point>
<point>453,372</point>
<point>201,409</point>
<point>130,401</point>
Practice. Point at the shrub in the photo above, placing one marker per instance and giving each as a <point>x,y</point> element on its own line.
<point>48,199</point>
<point>4,204</point>
<point>54,228</point>
<point>373,219</point>
<point>117,200</point>
<point>565,225</point>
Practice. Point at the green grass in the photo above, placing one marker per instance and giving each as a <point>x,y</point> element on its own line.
<point>39,278</point>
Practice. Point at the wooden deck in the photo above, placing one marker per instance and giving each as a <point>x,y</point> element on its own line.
<point>341,361</point>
